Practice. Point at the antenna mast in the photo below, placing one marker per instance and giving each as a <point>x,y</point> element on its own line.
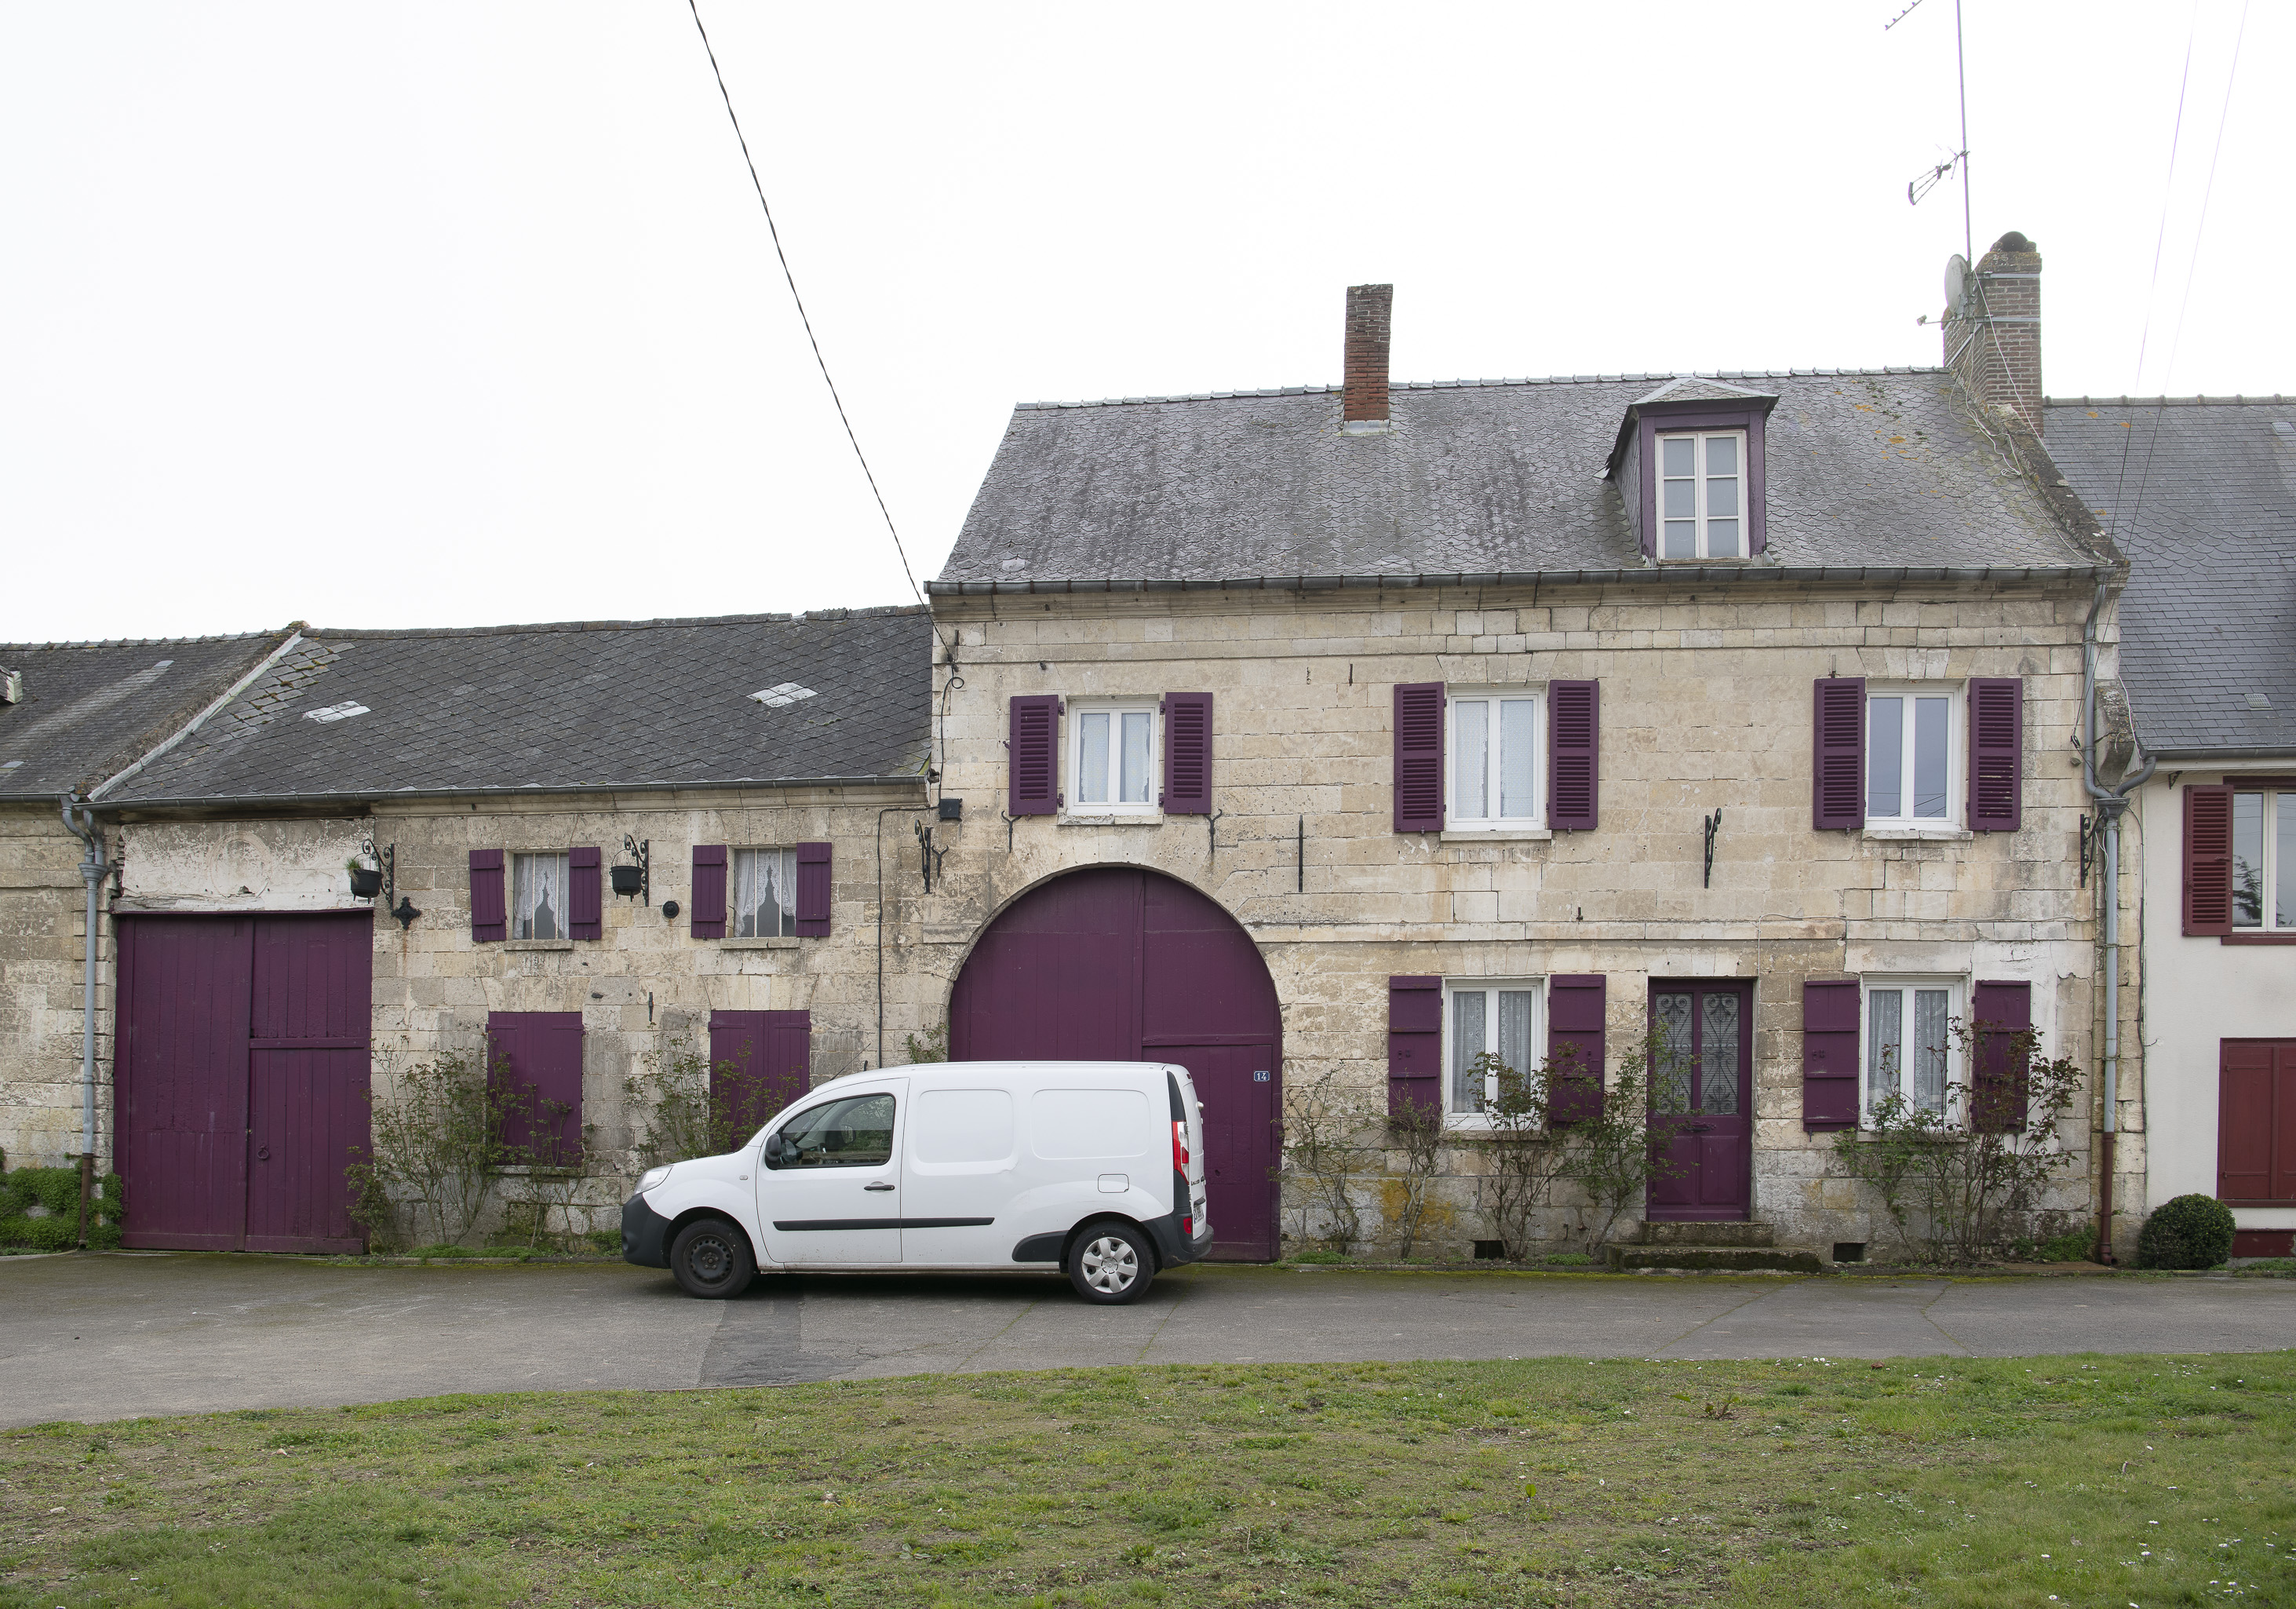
<point>1927,181</point>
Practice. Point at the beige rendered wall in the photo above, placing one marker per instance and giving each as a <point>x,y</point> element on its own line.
<point>1706,703</point>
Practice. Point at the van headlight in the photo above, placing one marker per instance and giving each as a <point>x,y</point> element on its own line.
<point>655,1178</point>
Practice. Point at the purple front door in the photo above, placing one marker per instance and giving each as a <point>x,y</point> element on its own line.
<point>241,1079</point>
<point>1119,964</point>
<point>1701,1100</point>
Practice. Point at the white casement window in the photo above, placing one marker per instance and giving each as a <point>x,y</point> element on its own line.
<point>765,894</point>
<point>1113,758</point>
<point>1506,1016</point>
<point>1912,756</point>
<point>1498,757</point>
<point>538,896</point>
<point>1701,495</point>
<point>1909,1049</point>
<point>2263,859</point>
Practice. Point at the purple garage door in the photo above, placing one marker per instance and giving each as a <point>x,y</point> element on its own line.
<point>241,1079</point>
<point>1119,964</point>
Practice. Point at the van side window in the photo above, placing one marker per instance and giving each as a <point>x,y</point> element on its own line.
<point>857,1133</point>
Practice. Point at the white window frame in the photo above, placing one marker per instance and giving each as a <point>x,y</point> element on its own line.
<point>521,921</point>
<point>2270,918</point>
<point>734,910</point>
<point>1745,516</point>
<point>1490,989</point>
<point>1957,992</point>
<point>1455,820</point>
<point>1957,742</point>
<point>1072,762</point>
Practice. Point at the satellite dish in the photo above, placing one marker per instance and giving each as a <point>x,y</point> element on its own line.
<point>1956,281</point>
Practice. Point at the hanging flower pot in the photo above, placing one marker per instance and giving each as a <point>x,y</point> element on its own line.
<point>628,879</point>
<point>366,882</point>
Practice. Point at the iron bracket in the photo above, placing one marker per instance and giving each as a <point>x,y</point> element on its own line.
<point>929,857</point>
<point>2087,846</point>
<point>642,855</point>
<point>1713,825</point>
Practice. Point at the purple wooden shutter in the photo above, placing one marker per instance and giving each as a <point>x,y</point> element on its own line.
<point>1577,1017</point>
<point>2208,862</point>
<point>708,911</point>
<point>489,921</point>
<point>539,1052</point>
<point>1838,768</point>
<point>1829,1055</point>
<point>1187,753</point>
<point>1033,765</point>
<point>764,1058</point>
<point>1998,1013</point>
<point>813,891</point>
<point>1574,759</point>
<point>1419,757</point>
<point>1414,1043</point>
<point>584,917</point>
<point>2245,1100</point>
<point>1997,752</point>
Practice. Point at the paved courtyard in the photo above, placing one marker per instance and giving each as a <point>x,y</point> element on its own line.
<point>130,1333</point>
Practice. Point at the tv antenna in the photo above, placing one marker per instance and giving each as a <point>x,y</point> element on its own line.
<point>1922,185</point>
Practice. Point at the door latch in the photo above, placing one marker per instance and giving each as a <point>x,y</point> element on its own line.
<point>879,1185</point>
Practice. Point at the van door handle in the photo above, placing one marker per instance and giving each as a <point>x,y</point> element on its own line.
<point>879,1185</point>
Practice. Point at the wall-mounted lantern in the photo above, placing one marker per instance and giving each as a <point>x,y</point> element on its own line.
<point>366,880</point>
<point>638,877</point>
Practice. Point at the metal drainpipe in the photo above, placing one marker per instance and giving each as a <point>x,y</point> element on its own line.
<point>2111,803</point>
<point>92,868</point>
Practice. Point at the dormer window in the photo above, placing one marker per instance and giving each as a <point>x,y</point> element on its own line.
<point>1700,497</point>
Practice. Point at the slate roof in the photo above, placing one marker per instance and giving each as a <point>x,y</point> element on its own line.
<point>2201,494</point>
<point>90,708</point>
<point>351,716</point>
<point>1866,470</point>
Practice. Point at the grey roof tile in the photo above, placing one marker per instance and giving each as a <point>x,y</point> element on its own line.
<point>567,706</point>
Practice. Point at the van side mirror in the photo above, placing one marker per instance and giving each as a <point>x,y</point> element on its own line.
<point>774,1149</point>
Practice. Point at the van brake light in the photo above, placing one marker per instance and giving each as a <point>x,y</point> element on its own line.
<point>1180,1144</point>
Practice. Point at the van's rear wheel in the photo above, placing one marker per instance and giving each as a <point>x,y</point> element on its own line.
<point>712,1260</point>
<point>1111,1263</point>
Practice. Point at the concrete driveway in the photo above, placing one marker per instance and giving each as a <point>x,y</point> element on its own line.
<point>130,1334</point>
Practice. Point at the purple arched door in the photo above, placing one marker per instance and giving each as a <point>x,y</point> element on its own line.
<point>1113,963</point>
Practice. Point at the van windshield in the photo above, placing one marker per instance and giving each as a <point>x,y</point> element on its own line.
<point>854,1133</point>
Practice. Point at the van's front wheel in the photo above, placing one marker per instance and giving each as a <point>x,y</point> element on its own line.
<point>1111,1263</point>
<point>712,1259</point>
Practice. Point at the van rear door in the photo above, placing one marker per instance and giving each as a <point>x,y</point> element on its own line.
<point>1187,1149</point>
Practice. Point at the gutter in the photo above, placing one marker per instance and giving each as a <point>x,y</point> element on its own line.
<point>1663,575</point>
<point>369,797</point>
<point>2111,802</point>
<point>2201,757</point>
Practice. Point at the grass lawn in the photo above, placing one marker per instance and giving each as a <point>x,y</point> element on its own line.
<point>2083,1481</point>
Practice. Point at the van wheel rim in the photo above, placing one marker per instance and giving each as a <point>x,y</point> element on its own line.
<point>708,1260</point>
<point>1111,1265</point>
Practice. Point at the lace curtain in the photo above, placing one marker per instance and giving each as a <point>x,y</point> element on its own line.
<point>765,893</point>
<point>539,896</point>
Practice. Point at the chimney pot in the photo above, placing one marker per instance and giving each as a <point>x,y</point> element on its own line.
<point>1363,400</point>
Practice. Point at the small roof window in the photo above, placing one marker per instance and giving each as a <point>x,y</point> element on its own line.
<point>787,693</point>
<point>335,712</point>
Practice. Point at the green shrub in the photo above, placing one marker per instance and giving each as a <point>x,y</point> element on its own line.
<point>57,1190</point>
<point>2189,1232</point>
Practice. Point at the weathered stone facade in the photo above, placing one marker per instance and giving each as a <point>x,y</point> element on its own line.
<point>43,906</point>
<point>1706,703</point>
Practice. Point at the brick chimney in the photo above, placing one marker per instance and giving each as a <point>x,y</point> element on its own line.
<point>1363,405</point>
<point>1993,335</point>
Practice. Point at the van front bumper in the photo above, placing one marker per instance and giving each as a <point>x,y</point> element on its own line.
<point>645,1234</point>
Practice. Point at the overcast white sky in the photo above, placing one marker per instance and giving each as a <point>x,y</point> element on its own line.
<point>465,312</point>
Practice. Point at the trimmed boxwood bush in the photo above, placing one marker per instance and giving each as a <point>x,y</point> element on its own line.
<point>2190,1232</point>
<point>57,1190</point>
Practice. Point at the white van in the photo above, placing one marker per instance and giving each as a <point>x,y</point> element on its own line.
<point>1093,1168</point>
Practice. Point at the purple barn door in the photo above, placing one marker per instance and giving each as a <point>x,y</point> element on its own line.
<point>180,1081</point>
<point>1119,964</point>
<point>1701,1100</point>
<point>307,1079</point>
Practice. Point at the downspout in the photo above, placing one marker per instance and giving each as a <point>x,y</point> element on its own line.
<point>2111,802</point>
<point>80,820</point>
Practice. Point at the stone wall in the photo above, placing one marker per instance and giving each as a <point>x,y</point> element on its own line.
<point>1706,704</point>
<point>43,914</point>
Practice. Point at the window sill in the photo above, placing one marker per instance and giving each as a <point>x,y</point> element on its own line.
<point>1128,818</point>
<point>2257,938</point>
<point>1917,834</point>
<point>759,943</point>
<point>535,944</point>
<point>1496,834</point>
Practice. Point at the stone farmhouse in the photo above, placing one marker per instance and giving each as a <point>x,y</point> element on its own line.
<point>1336,733</point>
<point>2201,493</point>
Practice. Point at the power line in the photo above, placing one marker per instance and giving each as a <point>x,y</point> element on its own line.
<point>815,341</point>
